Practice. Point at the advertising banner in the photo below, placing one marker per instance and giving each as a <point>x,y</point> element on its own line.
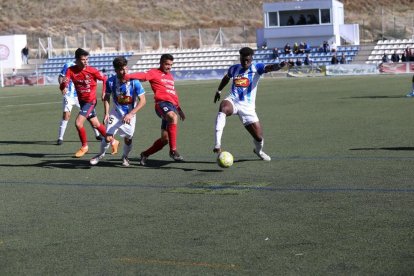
<point>351,69</point>
<point>397,68</point>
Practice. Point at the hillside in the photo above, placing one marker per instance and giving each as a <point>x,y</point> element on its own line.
<point>55,17</point>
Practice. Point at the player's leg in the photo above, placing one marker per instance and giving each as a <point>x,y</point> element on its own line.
<point>411,94</point>
<point>226,109</point>
<point>157,145</point>
<point>105,143</point>
<point>127,131</point>
<point>98,136</point>
<point>256,131</point>
<point>67,105</point>
<point>62,127</point>
<point>80,120</point>
<point>126,150</point>
<point>172,120</point>
<point>97,125</point>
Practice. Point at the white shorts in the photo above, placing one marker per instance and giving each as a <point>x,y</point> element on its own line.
<point>69,102</point>
<point>246,115</point>
<point>115,124</point>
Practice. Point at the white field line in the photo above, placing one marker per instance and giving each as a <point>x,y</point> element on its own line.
<point>32,104</point>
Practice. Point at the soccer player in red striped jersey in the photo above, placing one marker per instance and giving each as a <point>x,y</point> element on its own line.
<point>167,106</point>
<point>85,79</point>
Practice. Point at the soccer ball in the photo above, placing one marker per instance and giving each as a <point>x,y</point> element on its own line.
<point>225,159</point>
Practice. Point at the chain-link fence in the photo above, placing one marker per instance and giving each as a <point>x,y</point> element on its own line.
<point>144,41</point>
<point>387,24</point>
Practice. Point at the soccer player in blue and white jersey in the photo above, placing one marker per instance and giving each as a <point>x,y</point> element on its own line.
<point>128,98</point>
<point>241,100</point>
<point>69,100</point>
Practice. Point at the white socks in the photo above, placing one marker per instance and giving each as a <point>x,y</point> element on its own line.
<point>258,145</point>
<point>62,129</point>
<point>220,123</point>
<point>104,147</point>
<point>127,149</point>
<point>96,132</point>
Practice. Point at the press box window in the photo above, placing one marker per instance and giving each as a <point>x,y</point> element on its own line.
<point>273,19</point>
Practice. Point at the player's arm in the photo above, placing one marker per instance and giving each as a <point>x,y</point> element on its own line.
<point>100,76</point>
<point>142,76</point>
<point>106,104</point>
<point>63,85</point>
<point>275,67</point>
<point>224,81</point>
<point>106,101</point>
<point>131,114</point>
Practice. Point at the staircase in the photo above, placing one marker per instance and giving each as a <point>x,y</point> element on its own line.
<point>363,53</point>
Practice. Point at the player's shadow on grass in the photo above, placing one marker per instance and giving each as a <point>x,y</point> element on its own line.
<point>387,148</point>
<point>162,165</point>
<point>376,97</point>
<point>29,142</point>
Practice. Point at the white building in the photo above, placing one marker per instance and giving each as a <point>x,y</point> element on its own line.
<point>311,21</point>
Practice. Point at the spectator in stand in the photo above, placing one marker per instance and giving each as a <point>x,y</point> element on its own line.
<point>342,59</point>
<point>403,57</point>
<point>275,53</point>
<point>408,53</point>
<point>334,59</point>
<point>307,48</point>
<point>298,62</point>
<point>301,48</point>
<point>302,20</point>
<point>14,73</point>
<point>295,48</point>
<point>291,63</point>
<point>290,21</point>
<point>325,46</point>
<point>312,19</point>
<point>25,55</point>
<point>307,60</point>
<point>287,49</point>
<point>395,57</point>
<point>333,47</point>
<point>385,58</point>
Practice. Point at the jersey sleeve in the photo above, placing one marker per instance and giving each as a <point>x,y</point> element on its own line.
<point>65,84</point>
<point>260,68</point>
<point>108,86</point>
<point>139,90</point>
<point>64,69</point>
<point>230,72</point>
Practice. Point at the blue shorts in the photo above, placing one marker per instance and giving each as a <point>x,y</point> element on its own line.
<point>162,108</point>
<point>87,109</point>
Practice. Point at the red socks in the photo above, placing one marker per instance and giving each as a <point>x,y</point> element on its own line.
<point>158,145</point>
<point>102,130</point>
<point>172,136</point>
<point>82,136</point>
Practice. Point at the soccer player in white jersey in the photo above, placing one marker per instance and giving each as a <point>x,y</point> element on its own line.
<point>411,94</point>
<point>69,100</point>
<point>241,100</point>
<point>128,98</point>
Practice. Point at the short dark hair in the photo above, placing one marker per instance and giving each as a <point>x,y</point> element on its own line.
<point>119,62</point>
<point>246,51</point>
<point>165,57</point>
<point>81,52</point>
